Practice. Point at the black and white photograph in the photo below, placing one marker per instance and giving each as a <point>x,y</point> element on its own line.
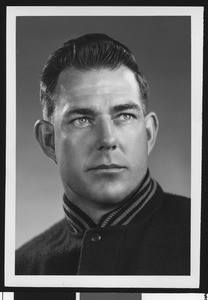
<point>104,124</point>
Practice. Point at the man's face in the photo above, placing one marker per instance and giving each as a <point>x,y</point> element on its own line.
<point>100,135</point>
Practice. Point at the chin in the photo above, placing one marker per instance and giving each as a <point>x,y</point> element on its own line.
<point>110,195</point>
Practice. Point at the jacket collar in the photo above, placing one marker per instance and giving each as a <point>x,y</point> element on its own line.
<point>79,221</point>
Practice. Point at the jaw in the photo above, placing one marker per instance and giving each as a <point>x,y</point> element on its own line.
<point>101,196</point>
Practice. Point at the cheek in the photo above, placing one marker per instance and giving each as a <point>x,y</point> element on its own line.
<point>136,148</point>
<point>135,138</point>
<point>71,150</point>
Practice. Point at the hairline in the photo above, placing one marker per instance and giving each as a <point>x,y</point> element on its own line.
<point>55,98</point>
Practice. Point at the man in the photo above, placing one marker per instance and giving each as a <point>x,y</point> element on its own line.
<point>97,129</point>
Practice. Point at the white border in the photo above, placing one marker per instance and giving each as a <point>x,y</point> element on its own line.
<point>14,11</point>
<point>173,296</point>
<point>78,296</point>
<point>7,296</point>
<point>192,281</point>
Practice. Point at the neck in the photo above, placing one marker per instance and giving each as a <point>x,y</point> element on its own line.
<point>94,209</point>
<point>82,217</point>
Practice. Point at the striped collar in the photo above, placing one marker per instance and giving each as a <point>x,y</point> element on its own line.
<point>78,221</point>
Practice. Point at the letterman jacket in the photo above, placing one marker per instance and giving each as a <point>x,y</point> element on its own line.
<point>149,234</point>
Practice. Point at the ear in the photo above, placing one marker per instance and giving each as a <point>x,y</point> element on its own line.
<point>44,133</point>
<point>152,126</point>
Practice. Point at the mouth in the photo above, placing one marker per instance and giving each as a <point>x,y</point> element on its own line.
<point>112,168</point>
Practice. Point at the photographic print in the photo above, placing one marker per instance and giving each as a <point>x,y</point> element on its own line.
<point>103,147</point>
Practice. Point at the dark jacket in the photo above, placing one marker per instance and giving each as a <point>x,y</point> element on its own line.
<point>157,242</point>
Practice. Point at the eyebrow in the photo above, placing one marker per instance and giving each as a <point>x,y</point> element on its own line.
<point>122,107</point>
<point>115,109</point>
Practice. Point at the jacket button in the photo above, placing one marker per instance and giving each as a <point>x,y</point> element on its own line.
<point>95,237</point>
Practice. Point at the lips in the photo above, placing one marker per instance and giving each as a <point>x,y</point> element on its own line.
<point>107,167</point>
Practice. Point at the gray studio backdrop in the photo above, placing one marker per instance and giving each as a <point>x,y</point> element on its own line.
<point>162,46</point>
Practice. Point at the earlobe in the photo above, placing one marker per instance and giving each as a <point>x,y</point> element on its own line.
<point>152,126</point>
<point>44,133</point>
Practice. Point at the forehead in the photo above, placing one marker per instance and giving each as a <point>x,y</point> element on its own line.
<point>90,85</point>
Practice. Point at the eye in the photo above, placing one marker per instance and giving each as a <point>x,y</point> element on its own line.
<point>125,116</point>
<point>81,122</point>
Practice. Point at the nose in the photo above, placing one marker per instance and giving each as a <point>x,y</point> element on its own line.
<point>106,139</point>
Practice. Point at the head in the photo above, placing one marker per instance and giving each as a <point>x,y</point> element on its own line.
<point>95,125</point>
<point>88,52</point>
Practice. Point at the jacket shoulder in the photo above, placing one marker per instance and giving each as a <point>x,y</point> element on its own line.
<point>178,203</point>
<point>176,211</point>
<point>28,255</point>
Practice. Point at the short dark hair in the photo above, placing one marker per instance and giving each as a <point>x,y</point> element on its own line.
<point>86,53</point>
